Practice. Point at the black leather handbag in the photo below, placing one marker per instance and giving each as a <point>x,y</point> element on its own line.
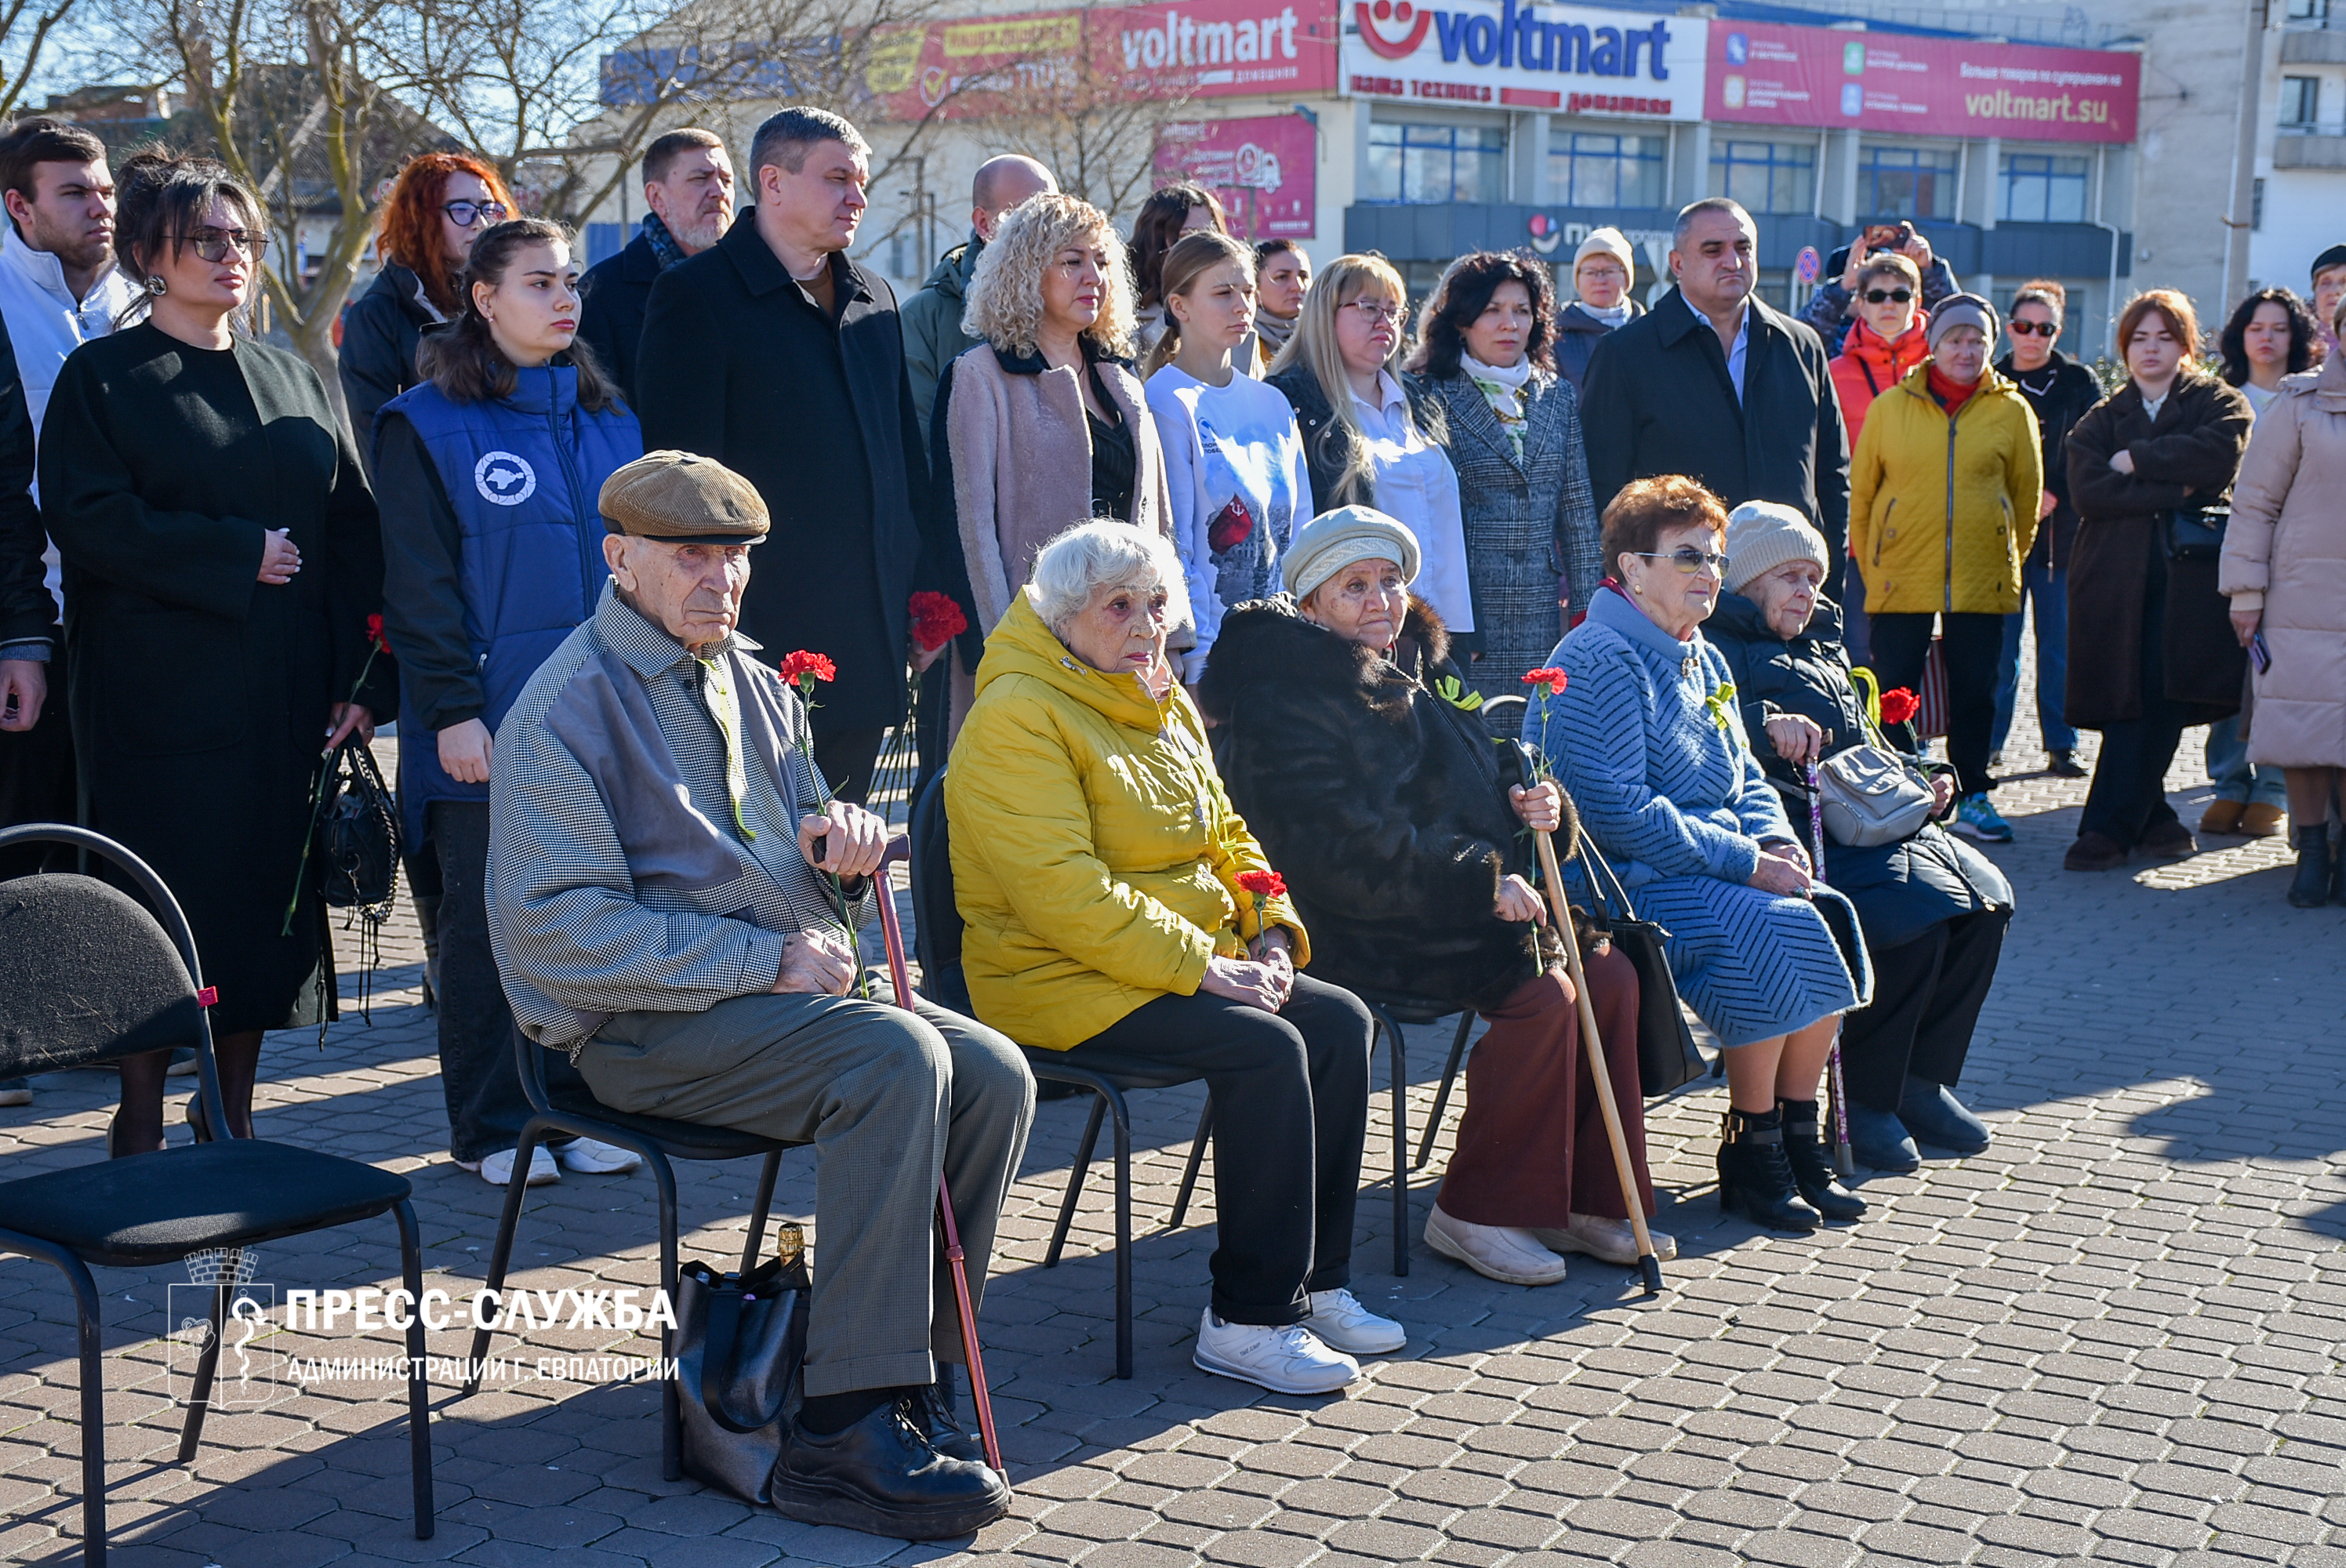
<point>2197,533</point>
<point>354,847</point>
<point>740,1346</point>
<point>1668,1057</point>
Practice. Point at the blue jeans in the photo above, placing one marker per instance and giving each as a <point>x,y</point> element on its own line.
<point>2235,778</point>
<point>2049,587</point>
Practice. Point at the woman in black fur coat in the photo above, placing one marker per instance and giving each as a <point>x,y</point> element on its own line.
<point>1404,844</point>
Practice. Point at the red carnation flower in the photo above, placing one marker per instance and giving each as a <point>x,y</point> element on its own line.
<point>804,668</point>
<point>1551,677</point>
<point>1263,884</point>
<point>1898,706</point>
<point>936,619</point>
<point>376,639</point>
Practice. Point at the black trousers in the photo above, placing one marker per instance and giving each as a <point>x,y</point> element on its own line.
<point>2127,797</point>
<point>1927,996</point>
<point>38,781</point>
<point>1290,1112</point>
<point>1975,649</point>
<point>478,1076</point>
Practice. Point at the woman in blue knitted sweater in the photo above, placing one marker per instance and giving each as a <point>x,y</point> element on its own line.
<point>1647,738</point>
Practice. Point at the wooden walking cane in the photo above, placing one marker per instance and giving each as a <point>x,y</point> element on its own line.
<point>1649,1265</point>
<point>892,934</point>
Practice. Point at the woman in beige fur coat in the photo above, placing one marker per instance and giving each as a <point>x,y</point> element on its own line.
<point>1043,424</point>
<point>2284,568</point>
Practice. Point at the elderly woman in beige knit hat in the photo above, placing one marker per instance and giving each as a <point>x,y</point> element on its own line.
<point>1602,270</point>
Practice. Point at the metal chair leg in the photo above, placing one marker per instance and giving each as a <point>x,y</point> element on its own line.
<point>1076,1177</point>
<point>759,1216</point>
<point>199,1393</point>
<point>419,1392</point>
<point>671,1420</point>
<point>1123,1240</point>
<point>93,1410</point>
<point>1196,1158</point>
<point>1441,1096</point>
<point>1399,1049</point>
<point>533,1132</point>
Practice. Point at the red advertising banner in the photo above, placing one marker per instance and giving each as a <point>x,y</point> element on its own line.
<point>1765,73</point>
<point>1063,60</point>
<point>1265,169</point>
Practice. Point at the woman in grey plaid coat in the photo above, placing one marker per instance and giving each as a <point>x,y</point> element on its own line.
<point>1485,353</point>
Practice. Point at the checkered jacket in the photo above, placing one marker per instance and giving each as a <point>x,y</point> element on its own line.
<point>618,881</point>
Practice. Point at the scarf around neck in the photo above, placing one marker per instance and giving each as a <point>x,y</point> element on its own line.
<point>665,250</point>
<point>1611,315</point>
<point>1508,392</point>
<point>1272,332</point>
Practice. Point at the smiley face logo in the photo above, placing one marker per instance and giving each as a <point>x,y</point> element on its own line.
<point>1396,13</point>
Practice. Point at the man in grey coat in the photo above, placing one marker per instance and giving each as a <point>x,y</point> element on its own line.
<point>657,823</point>
<point>931,317</point>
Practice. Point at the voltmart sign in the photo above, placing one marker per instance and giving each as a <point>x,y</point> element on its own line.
<point>1525,56</point>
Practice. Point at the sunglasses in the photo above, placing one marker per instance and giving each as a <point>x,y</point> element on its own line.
<point>214,244</point>
<point>1882,296</point>
<point>2037,329</point>
<point>1689,560</point>
<point>467,213</point>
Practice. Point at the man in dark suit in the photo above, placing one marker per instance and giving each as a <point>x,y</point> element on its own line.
<point>689,186</point>
<point>1714,384</point>
<point>776,355</point>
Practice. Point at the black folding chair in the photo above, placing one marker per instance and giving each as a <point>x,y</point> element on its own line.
<point>937,928</point>
<point>658,1141</point>
<point>93,977</point>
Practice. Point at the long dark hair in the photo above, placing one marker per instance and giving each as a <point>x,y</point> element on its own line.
<point>462,359</point>
<point>1158,229</point>
<point>1461,296</point>
<point>159,199</point>
<point>2234,345</point>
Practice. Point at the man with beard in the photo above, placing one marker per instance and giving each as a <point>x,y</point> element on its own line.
<point>689,186</point>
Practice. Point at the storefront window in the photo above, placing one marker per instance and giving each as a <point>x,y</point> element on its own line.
<point>2044,188</point>
<point>1591,169</point>
<point>1437,163</point>
<point>1905,182</point>
<point>1766,176</point>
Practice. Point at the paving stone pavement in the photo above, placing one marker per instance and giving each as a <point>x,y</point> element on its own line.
<point>2113,1337</point>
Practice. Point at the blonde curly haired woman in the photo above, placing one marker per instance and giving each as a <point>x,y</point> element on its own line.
<point>1043,424</point>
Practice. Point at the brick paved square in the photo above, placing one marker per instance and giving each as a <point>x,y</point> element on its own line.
<point>2112,1339</point>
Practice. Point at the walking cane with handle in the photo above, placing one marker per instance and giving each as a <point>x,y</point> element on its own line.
<point>1844,1161</point>
<point>1649,1265</point>
<point>892,934</point>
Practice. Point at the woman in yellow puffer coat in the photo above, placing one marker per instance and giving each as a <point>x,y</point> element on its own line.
<point>1945,490</point>
<point>1097,865</point>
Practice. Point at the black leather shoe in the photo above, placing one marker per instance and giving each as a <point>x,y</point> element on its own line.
<point>932,1411</point>
<point>2316,866</point>
<point>1932,1114</point>
<point>1754,1179</point>
<point>1811,1162</point>
<point>881,1476</point>
<point>1881,1141</point>
<point>2063,765</point>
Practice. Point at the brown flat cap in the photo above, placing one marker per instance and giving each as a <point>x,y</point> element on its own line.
<point>683,498</point>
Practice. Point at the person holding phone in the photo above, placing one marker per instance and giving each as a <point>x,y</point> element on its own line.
<point>2279,571</point>
<point>1833,308</point>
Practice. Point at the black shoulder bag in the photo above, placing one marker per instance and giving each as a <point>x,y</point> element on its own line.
<point>2195,532</point>
<point>740,1346</point>
<point>1668,1057</point>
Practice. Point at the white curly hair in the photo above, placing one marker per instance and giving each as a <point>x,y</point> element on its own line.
<point>1006,297</point>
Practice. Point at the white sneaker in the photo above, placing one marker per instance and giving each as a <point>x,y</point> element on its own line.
<point>1290,1359</point>
<point>589,1157</point>
<point>1501,1252</point>
<point>498,1169</point>
<point>1610,1239</point>
<point>1338,1321</point>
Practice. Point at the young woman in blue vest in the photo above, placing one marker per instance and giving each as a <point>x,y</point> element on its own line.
<point>486,473</point>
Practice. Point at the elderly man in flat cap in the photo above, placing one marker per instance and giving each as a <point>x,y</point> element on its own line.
<point>657,916</point>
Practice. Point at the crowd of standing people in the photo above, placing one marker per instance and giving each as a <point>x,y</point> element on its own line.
<point>1239,561</point>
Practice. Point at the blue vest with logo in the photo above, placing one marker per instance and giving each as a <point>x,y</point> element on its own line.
<point>523,474</point>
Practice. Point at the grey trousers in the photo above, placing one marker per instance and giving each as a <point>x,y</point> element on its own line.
<point>887,1099</point>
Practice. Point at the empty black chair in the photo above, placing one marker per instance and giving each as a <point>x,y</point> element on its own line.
<point>92,977</point>
<point>936,935</point>
<point>658,1141</point>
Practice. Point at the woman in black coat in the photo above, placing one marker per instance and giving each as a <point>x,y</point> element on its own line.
<point>1934,911</point>
<point>221,560</point>
<point>1404,843</point>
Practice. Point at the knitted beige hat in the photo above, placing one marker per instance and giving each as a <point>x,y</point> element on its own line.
<point>1762,536</point>
<point>1334,540</point>
<point>1607,241</point>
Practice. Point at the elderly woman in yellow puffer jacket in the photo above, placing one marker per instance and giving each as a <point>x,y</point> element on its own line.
<point>1096,864</point>
<point>1945,491</point>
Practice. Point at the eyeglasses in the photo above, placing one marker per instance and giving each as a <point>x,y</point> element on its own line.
<point>1372,312</point>
<point>1881,296</point>
<point>213,244</point>
<point>1689,560</point>
<point>2040,329</point>
<point>467,213</point>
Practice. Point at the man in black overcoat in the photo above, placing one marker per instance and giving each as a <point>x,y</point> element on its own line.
<point>688,186</point>
<point>1715,384</point>
<point>776,355</point>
